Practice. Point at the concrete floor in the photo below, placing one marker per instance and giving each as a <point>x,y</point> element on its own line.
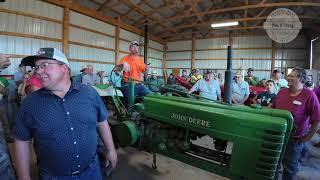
<point>136,165</point>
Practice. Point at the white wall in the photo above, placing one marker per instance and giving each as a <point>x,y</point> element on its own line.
<point>248,51</point>
<point>19,34</point>
<point>91,41</point>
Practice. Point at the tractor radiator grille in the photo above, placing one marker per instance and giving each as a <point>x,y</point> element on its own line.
<point>270,151</point>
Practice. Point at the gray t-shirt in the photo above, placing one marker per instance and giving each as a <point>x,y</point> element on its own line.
<point>90,80</point>
<point>239,91</point>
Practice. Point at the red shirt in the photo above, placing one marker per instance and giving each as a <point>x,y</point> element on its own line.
<point>304,108</point>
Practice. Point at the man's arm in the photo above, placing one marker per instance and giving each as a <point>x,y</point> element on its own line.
<point>313,129</point>
<point>106,136</point>
<point>3,90</point>
<point>244,99</point>
<point>22,159</point>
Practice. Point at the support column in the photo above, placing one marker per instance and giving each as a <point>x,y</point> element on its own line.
<point>193,57</point>
<point>65,30</point>
<point>273,61</point>
<point>117,43</point>
<point>164,62</point>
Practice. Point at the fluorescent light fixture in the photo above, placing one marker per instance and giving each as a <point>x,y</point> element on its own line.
<point>233,23</point>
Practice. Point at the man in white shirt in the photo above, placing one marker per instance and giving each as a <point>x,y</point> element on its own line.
<point>91,79</point>
<point>208,88</point>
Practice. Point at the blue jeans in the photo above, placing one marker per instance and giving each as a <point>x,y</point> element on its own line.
<point>92,172</point>
<point>291,159</point>
<point>139,90</point>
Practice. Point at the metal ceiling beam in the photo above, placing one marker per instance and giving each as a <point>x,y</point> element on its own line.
<point>229,9</point>
<point>228,20</point>
<point>131,10</point>
<point>139,10</point>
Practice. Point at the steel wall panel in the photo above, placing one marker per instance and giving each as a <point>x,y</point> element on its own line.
<point>124,45</point>
<point>255,64</point>
<point>262,74</point>
<point>86,53</point>
<point>86,37</point>
<point>179,45</point>
<point>212,43</point>
<point>155,53</point>
<point>127,35</point>
<point>298,42</point>
<point>316,54</point>
<point>214,64</point>
<point>155,45</point>
<point>179,55</point>
<point>154,62</point>
<point>34,7</point>
<point>178,64</point>
<point>211,54</point>
<point>251,42</point>
<point>29,25</point>
<point>257,53</point>
<point>24,46</point>
<point>292,54</point>
<point>91,23</point>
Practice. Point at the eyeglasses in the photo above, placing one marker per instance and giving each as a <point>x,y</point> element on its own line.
<point>43,65</point>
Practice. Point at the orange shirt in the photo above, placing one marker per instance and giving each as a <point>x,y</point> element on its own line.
<point>137,67</point>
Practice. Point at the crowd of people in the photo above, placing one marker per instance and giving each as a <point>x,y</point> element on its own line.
<point>53,109</point>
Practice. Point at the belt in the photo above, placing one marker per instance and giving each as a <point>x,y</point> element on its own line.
<point>76,173</point>
<point>79,172</point>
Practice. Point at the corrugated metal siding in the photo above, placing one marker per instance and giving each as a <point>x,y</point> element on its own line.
<point>212,43</point>
<point>256,53</point>
<point>127,35</point>
<point>155,45</point>
<point>34,7</point>
<point>316,54</point>
<point>86,53</point>
<point>124,45</point>
<point>222,54</point>
<point>179,45</point>
<point>251,42</point>
<point>213,64</point>
<point>22,46</point>
<point>179,55</point>
<point>28,25</point>
<point>178,64</point>
<point>91,23</point>
<point>299,42</point>
<point>86,37</point>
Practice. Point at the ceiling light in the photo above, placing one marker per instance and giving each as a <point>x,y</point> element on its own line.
<point>232,23</point>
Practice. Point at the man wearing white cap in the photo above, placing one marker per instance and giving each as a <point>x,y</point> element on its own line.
<point>154,83</point>
<point>133,66</point>
<point>90,78</point>
<point>62,119</point>
<point>78,78</point>
<point>240,89</point>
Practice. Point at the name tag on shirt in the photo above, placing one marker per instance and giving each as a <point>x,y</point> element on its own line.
<point>297,102</point>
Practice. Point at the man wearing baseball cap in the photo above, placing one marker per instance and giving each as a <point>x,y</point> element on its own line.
<point>61,118</point>
<point>154,83</point>
<point>133,67</point>
<point>252,80</point>
<point>240,89</point>
<point>78,77</point>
